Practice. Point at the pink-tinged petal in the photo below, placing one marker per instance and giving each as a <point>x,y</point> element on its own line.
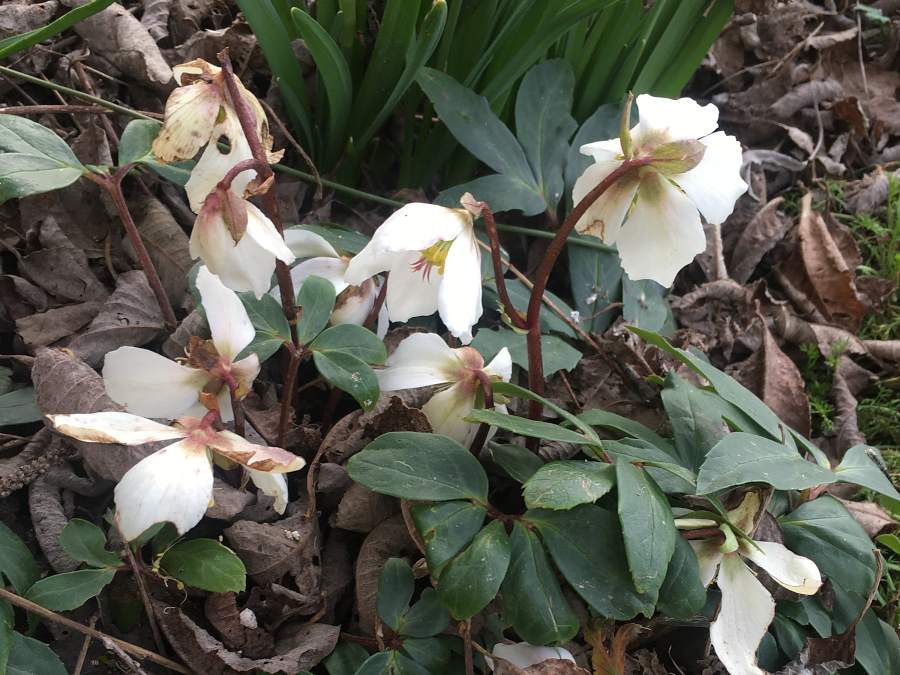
<point>149,384</point>
<point>263,231</point>
<point>190,117</point>
<point>745,613</point>
<point>674,119</point>
<point>173,485</point>
<point>355,304</point>
<point>245,372</point>
<point>500,366</point>
<point>663,232</point>
<point>214,164</point>
<point>447,409</point>
<point>211,240</point>
<point>420,360</point>
<point>113,427</point>
<point>256,457</point>
<point>708,557</point>
<point>229,325</point>
<point>524,655</point>
<point>459,296</point>
<point>410,292</point>
<point>273,485</point>
<point>715,184</point>
<point>306,244</point>
<point>794,572</point>
<point>604,217</point>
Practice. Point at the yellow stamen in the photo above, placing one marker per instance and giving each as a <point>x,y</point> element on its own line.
<point>435,256</point>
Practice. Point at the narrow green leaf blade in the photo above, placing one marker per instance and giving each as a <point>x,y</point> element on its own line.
<point>527,427</point>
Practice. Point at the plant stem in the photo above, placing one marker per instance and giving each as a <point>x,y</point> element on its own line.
<point>287,393</point>
<point>483,428</point>
<point>491,227</point>
<point>237,409</point>
<point>137,571</point>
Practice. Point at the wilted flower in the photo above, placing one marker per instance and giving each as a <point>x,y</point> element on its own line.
<point>747,608</point>
<point>237,242</point>
<point>354,302</point>
<point>424,359</point>
<point>434,264</point>
<point>175,484</point>
<point>651,213</point>
<point>151,385</point>
<point>524,655</point>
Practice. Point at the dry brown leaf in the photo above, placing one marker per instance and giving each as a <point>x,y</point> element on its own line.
<point>228,501</point>
<point>194,324</point>
<point>848,382</point>
<point>760,236</point>
<point>868,193</point>
<point>42,330</point>
<point>63,272</point>
<point>239,635</point>
<point>16,19</point>
<point>20,297</point>
<point>871,516</point>
<point>826,40</point>
<point>337,570</point>
<point>806,95</point>
<point>167,245</point>
<point>551,667</point>
<point>156,18</point>
<point>389,540</point>
<point>43,451</point>
<point>361,509</point>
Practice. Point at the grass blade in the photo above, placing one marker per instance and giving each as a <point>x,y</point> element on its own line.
<point>17,43</point>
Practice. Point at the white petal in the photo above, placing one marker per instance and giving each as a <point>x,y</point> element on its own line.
<point>603,151</point>
<point>523,655</point>
<point>113,427</point>
<point>264,232</point>
<point>190,117</point>
<point>384,320</point>
<point>715,184</point>
<point>211,241</point>
<point>214,164</point>
<point>410,293</point>
<point>459,296</point>
<point>420,360</point>
<point>229,325</point>
<point>662,234</point>
<point>272,484</point>
<point>355,304</point>
<point>246,267</point>
<point>174,485</point>
<point>604,217</point>
<point>500,365</point>
<point>746,611</point>
<point>369,262</point>
<point>708,557</point>
<point>676,120</point>
<point>149,384</point>
<point>328,268</point>
<point>253,456</point>
<point>445,412</point>
<point>306,244</point>
<point>792,571</point>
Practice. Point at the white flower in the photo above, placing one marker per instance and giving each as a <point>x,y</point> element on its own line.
<point>237,242</point>
<point>151,385</point>
<point>174,484</point>
<point>524,655</point>
<point>651,213</point>
<point>434,263</point>
<point>354,303</point>
<point>747,608</point>
<point>424,359</point>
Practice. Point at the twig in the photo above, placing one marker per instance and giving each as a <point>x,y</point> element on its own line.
<point>505,303</point>
<point>720,271</point>
<point>89,88</point>
<point>53,110</point>
<point>132,665</point>
<point>137,572</point>
<point>49,615</point>
<point>287,394</point>
<point>465,631</point>
<point>237,409</point>
<point>411,525</point>
<point>85,646</point>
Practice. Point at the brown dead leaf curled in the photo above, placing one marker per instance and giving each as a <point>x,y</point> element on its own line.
<point>228,501</point>
<point>156,18</point>
<point>46,328</point>
<point>16,19</point>
<point>167,245</point>
<point>762,233</point>
<point>361,509</point>
<point>194,324</point>
<point>551,667</point>
<point>20,297</point>
<point>873,518</point>
<point>237,629</point>
<point>63,273</point>
<point>848,382</point>
<point>806,95</point>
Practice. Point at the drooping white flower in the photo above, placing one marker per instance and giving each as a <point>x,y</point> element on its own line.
<point>237,242</point>
<point>354,302</point>
<point>151,385</point>
<point>524,655</point>
<point>651,213</point>
<point>747,608</point>
<point>434,263</point>
<point>424,359</point>
<point>174,484</point>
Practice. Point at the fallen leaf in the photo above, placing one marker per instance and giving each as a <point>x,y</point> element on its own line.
<point>360,509</point>
<point>45,328</point>
<point>806,95</point>
<point>63,273</point>
<point>873,518</point>
<point>848,382</point>
<point>390,539</point>
<point>16,18</point>
<point>20,297</point>
<point>762,233</point>
<point>826,40</point>
<point>156,18</point>
<point>194,324</point>
<point>550,667</point>
<point>228,501</point>
<point>45,449</point>
<point>237,629</point>
<point>167,245</point>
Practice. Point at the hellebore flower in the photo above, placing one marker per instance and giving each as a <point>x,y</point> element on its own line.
<point>200,112</point>
<point>151,385</point>
<point>524,655</point>
<point>174,484</point>
<point>747,608</point>
<point>651,212</point>
<point>424,359</point>
<point>354,303</point>
<point>237,242</point>
<point>434,263</point>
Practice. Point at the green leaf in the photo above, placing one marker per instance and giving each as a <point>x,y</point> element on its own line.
<point>62,592</point>
<point>532,598</point>
<point>472,579</point>
<point>31,657</point>
<point>317,298</point>
<point>544,123</point>
<point>419,466</point>
<point>18,43</point>
<point>353,340</point>
<point>527,427</point>
<point>272,328</point>
<point>624,425</point>
<point>745,458</point>
<point>519,296</point>
<point>86,543</point>
<point>446,528</point>
<point>395,590</point>
<point>648,527</point>
<point>586,545</point>
<point>349,374</point>
<point>26,175</point>
<point>346,659</point>
<point>568,483</point>
<point>824,531</point>
<point>890,541</point>
<point>377,664</point>
<point>136,147</point>
<point>344,240</point>
<point>19,407</point>
<point>16,563</point>
<point>205,564</point>
<point>519,463</point>
<point>21,136</point>
<point>644,303</point>
<point>861,465</point>
<point>671,477</point>
<point>877,645</point>
<point>696,418</point>
<point>514,390</point>
<point>426,618</point>
<point>682,594</point>
<point>432,653</point>
<point>501,192</point>
<point>556,353</point>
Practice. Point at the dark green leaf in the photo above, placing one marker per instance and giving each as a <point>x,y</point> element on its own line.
<point>877,645</point>
<point>395,590</point>
<point>21,136</point>
<point>419,466</point>
<point>624,425</point>
<point>17,43</point>
<point>519,463</point>
<point>62,592</point>
<point>205,564</point>
<point>696,417</point>
<point>532,598</point>
<point>472,579</point>
<point>671,477</point>
<point>272,328</point>
<point>426,618</point>
<point>377,664</point>
<point>745,458</point>
<point>566,484</point>
<point>644,303</point>
<point>432,653</point>
<point>19,407</point>
<point>32,657</point>
<point>351,339</point>
<point>16,563</point>
<point>586,545</point>
<point>349,374</point>
<point>861,465</point>
<point>446,528</point>
<point>682,595</point>
<point>86,542</point>
<point>501,192</point>
<point>346,659</point>
<point>137,141</point>
<point>556,353</point>
<point>316,297</point>
<point>26,175</point>
<point>528,427</point>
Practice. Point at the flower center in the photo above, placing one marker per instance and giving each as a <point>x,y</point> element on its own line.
<point>435,256</point>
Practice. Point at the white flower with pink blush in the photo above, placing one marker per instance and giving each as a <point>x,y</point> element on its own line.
<point>524,655</point>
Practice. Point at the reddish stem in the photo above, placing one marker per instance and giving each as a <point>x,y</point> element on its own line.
<point>372,319</point>
<point>491,227</point>
<point>238,168</point>
<point>483,428</point>
<point>287,394</point>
